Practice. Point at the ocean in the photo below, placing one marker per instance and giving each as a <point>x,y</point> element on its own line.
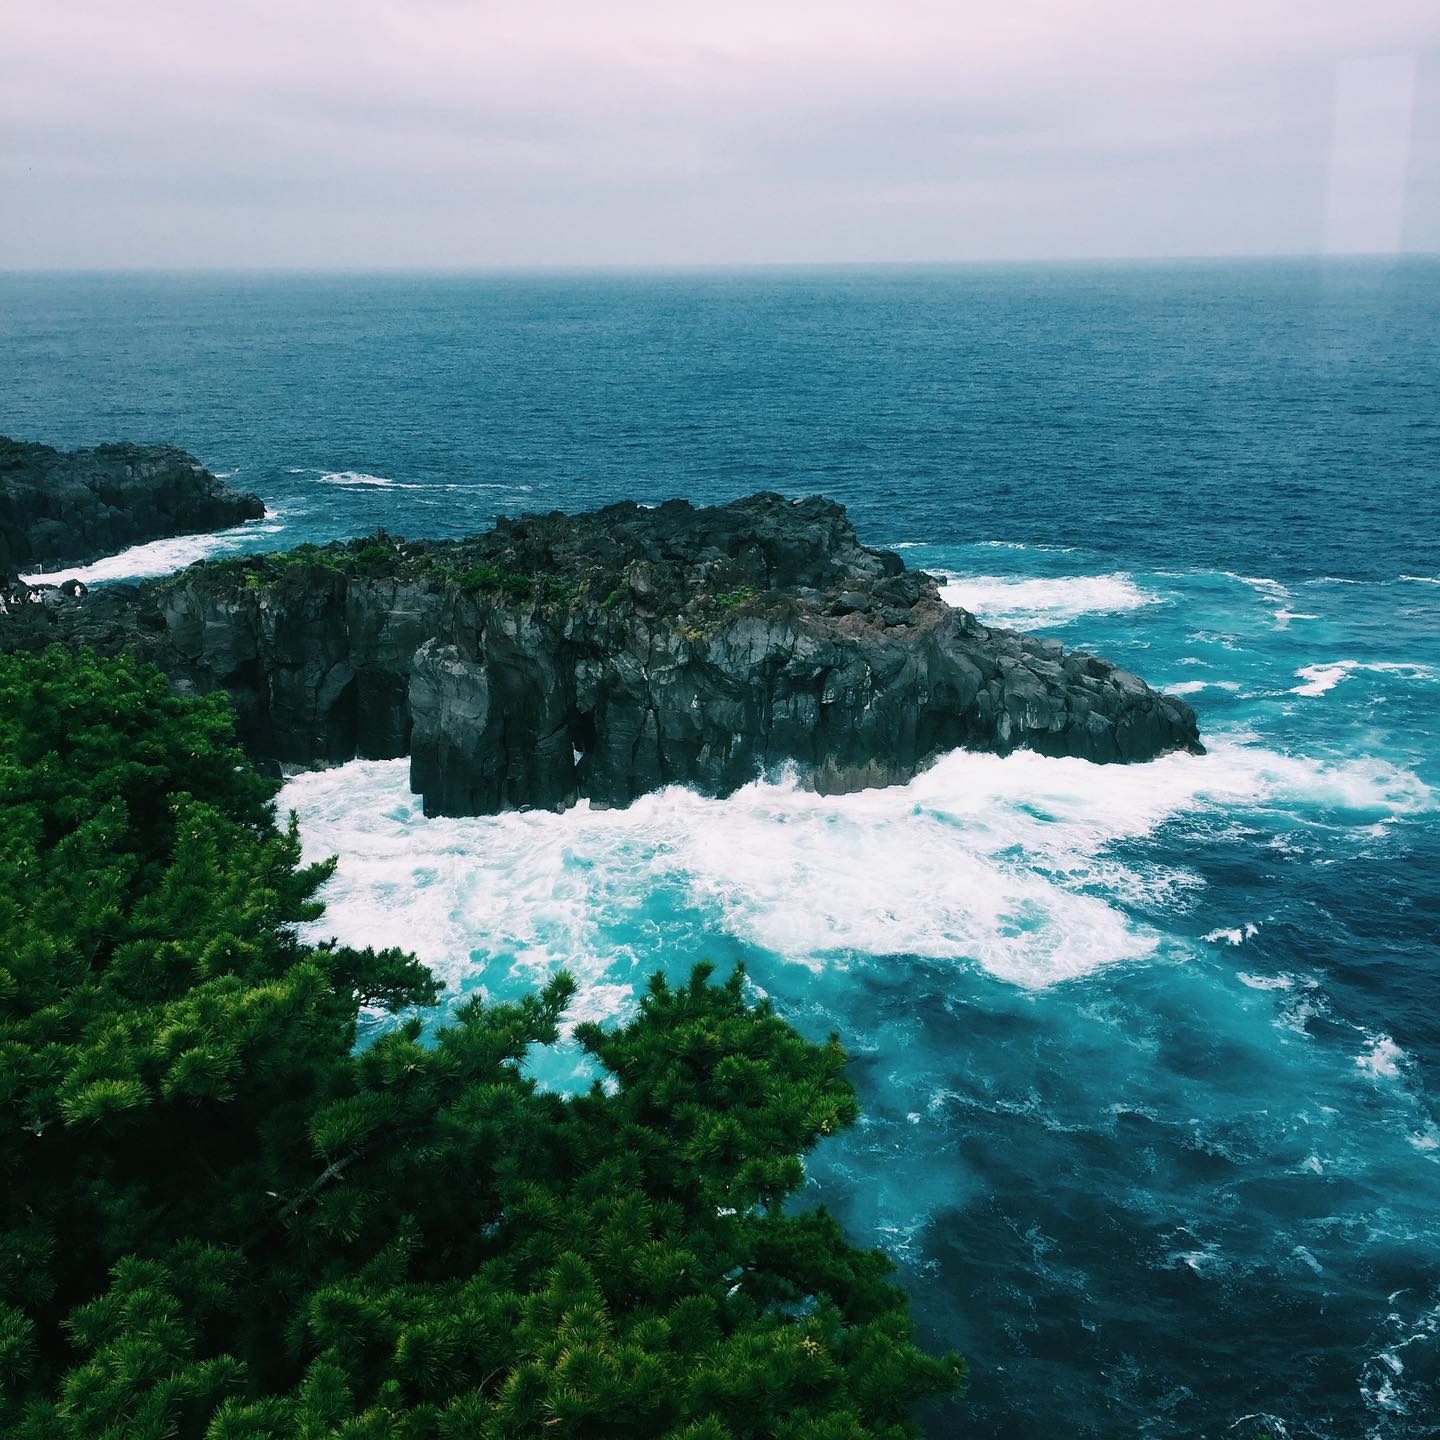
<point>1149,1056</point>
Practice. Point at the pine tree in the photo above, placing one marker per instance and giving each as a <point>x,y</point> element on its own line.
<point>221,1219</point>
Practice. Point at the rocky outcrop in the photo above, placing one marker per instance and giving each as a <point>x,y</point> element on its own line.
<point>60,508</point>
<point>559,657</point>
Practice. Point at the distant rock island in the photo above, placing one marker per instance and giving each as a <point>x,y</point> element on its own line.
<point>604,655</point>
<point>69,508</point>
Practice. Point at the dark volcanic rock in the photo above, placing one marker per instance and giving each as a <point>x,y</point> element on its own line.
<point>69,509</point>
<point>604,655</point>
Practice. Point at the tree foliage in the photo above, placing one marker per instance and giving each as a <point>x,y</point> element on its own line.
<point>222,1220</point>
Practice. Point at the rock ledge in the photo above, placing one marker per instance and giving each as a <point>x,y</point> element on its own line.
<point>60,508</point>
<point>602,656</point>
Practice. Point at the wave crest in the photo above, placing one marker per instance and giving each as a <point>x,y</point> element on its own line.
<point>1026,603</point>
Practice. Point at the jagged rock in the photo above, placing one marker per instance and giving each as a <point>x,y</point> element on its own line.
<point>60,508</point>
<point>603,655</point>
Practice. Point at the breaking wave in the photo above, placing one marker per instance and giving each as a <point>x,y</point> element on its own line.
<point>1005,864</point>
<point>360,478</point>
<point>164,557</point>
<point>1025,603</point>
<point>1319,679</point>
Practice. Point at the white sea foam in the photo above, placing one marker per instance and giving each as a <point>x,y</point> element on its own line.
<point>1237,936</point>
<point>1321,678</point>
<point>1204,1262</point>
<point>163,557</point>
<point>1215,637</point>
<point>500,485</point>
<point>1004,864</point>
<point>1383,1374</point>
<point>1427,1138</point>
<point>1027,602</point>
<point>1193,687</point>
<point>1270,982</point>
<point>360,478</point>
<point>1381,1059</point>
<point>987,545</point>
<point>1272,592</point>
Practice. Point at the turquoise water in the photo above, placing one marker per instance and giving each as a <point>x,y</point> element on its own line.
<point>1148,1055</point>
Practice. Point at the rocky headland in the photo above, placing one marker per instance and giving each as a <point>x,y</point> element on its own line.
<point>69,508</point>
<point>604,655</point>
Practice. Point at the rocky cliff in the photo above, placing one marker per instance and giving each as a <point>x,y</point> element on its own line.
<point>605,655</point>
<point>59,508</point>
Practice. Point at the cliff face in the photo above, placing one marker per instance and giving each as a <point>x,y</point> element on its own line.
<point>605,655</point>
<point>60,508</point>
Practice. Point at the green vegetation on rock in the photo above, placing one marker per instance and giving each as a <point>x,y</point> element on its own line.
<point>221,1220</point>
<point>733,599</point>
<point>382,556</point>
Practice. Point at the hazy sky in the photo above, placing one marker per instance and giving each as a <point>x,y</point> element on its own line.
<point>485,132</point>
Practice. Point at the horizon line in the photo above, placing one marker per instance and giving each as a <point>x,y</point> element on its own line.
<point>713,266</point>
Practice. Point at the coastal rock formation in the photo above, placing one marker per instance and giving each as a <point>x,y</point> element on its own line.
<point>604,655</point>
<point>59,508</point>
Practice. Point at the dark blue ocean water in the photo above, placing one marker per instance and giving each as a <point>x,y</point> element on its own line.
<point>1149,1056</point>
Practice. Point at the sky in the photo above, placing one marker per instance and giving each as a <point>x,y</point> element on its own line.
<point>473,133</point>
